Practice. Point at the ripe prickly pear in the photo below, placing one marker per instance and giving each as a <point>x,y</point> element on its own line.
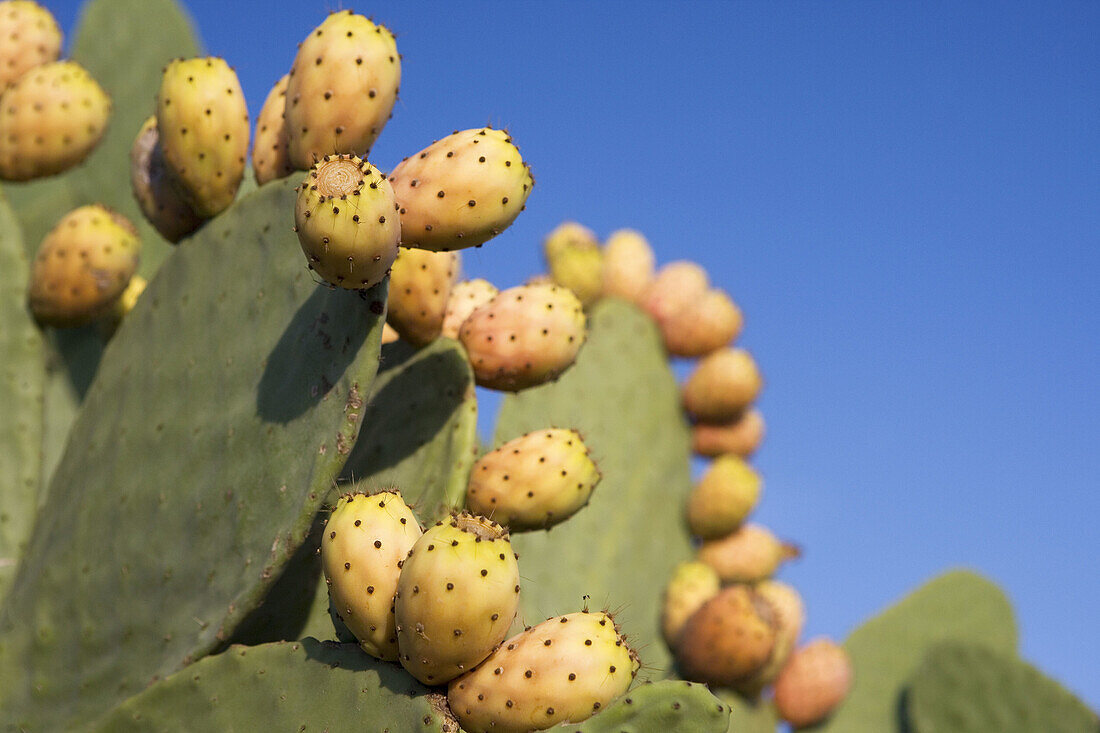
<point>346,222</point>
<point>525,336</point>
<point>202,120</point>
<point>420,284</point>
<point>729,639</point>
<point>573,255</point>
<point>270,159</point>
<point>677,285</point>
<point>121,308</point>
<point>726,494</point>
<point>456,597</point>
<point>534,481</point>
<point>461,191</point>
<point>748,555</point>
<point>723,384</point>
<point>389,335</point>
<point>50,119</point>
<point>703,326</point>
<point>154,188</point>
<point>31,37</point>
<point>628,265</point>
<point>813,683</point>
<point>791,615</point>
<point>83,266</point>
<point>366,540</point>
<point>465,298</point>
<point>692,584</point>
<point>564,669</point>
<point>342,88</point>
<point>742,436</point>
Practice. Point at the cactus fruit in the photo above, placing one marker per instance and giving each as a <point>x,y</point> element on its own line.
<point>342,88</point>
<point>270,158</point>
<point>723,498</point>
<point>692,584</point>
<point>675,286</point>
<point>30,37</point>
<point>534,481</point>
<point>575,261</point>
<point>723,384</point>
<point>121,308</point>
<point>703,326</point>
<point>565,669</point>
<point>525,336</point>
<point>465,298</point>
<point>628,265</point>
<point>750,554</point>
<point>346,222</point>
<point>156,193</point>
<point>456,597</point>
<point>791,615</point>
<point>203,124</point>
<point>83,266</point>
<point>366,539</point>
<point>815,680</point>
<point>729,639</point>
<point>741,436</point>
<point>420,284</point>
<point>50,119</point>
<point>389,335</point>
<point>461,191</point>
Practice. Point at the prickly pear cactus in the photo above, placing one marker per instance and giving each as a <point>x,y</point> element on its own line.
<point>660,706</point>
<point>963,687</point>
<point>632,530</point>
<point>300,685</point>
<point>887,649</point>
<point>221,415</point>
<point>22,382</point>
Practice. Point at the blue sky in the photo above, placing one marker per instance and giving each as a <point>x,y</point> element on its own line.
<point>903,198</point>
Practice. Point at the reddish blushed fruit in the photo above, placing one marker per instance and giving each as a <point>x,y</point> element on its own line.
<point>741,436</point>
<point>791,616</point>
<point>465,298</point>
<point>813,683</point>
<point>677,285</point>
<point>750,554</point>
<point>628,265</point>
<point>722,386</point>
<point>692,584</point>
<point>565,669</point>
<point>729,639</point>
<point>702,326</point>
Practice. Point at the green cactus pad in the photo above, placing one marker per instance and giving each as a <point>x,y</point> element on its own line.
<point>22,381</point>
<point>958,605</point>
<point>969,688</point>
<point>657,707</point>
<point>623,546</point>
<point>223,411</point>
<point>124,45</point>
<point>749,717</point>
<point>301,685</point>
<point>420,428</point>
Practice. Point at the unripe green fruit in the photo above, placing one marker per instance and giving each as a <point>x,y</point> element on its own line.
<point>565,669</point>
<point>347,223</point>
<point>725,495</point>
<point>692,584</point>
<point>573,256</point>
<point>456,597</point>
<point>534,481</point>
<point>366,540</point>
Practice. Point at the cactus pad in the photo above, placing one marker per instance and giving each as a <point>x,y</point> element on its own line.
<point>969,688</point>
<point>660,706</point>
<point>885,651</point>
<point>306,685</point>
<point>22,381</point>
<point>622,546</point>
<point>144,557</point>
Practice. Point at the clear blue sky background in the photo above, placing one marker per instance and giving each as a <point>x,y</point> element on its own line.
<point>904,199</point>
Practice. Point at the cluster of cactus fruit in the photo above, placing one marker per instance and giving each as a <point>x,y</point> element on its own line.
<point>321,443</point>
